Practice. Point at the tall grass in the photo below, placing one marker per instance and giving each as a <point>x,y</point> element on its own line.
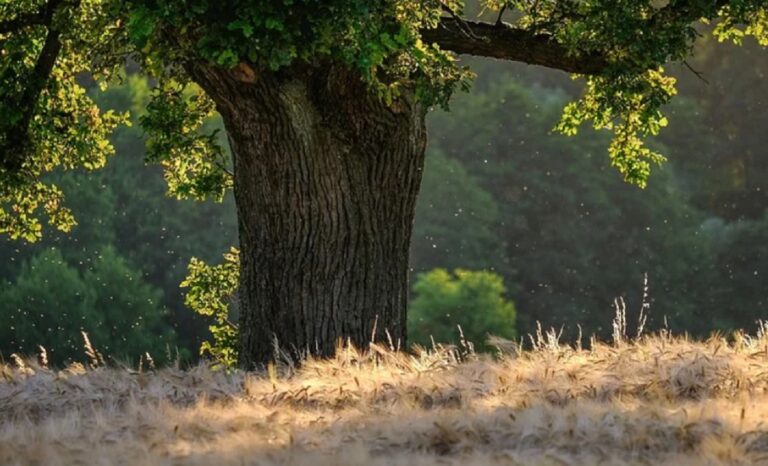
<point>648,399</point>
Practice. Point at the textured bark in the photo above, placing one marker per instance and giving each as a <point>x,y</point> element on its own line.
<point>326,178</point>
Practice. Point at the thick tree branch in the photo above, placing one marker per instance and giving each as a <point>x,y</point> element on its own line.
<point>508,43</point>
<point>14,148</point>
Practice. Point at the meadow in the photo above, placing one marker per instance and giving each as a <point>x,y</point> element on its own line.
<point>658,399</point>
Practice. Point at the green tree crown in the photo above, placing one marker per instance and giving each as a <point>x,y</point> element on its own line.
<point>110,302</point>
<point>48,122</point>
<point>473,300</point>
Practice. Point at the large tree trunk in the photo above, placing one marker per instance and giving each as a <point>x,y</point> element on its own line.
<point>326,179</point>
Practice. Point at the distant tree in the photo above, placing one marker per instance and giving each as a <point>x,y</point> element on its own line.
<point>129,317</point>
<point>473,300</point>
<point>725,163</point>
<point>742,265</point>
<point>324,106</point>
<point>575,236</point>
<point>51,302</point>
<point>47,305</point>
<point>455,219</point>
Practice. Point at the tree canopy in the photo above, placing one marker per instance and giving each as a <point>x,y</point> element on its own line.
<point>50,48</point>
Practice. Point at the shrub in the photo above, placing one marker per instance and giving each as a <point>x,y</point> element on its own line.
<point>474,300</point>
<point>211,292</point>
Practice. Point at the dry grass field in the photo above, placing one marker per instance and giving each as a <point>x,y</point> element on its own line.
<point>659,400</point>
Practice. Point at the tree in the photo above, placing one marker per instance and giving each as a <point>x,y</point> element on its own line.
<point>46,312</point>
<point>472,300</point>
<point>576,235</point>
<point>455,219</point>
<point>741,261</point>
<point>324,106</point>
<point>51,302</point>
<point>725,162</point>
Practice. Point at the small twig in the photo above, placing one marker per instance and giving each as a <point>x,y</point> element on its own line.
<point>644,308</point>
<point>230,323</point>
<point>42,357</point>
<point>223,168</point>
<point>499,22</point>
<point>150,361</point>
<point>463,26</point>
<point>389,338</point>
<point>698,74</point>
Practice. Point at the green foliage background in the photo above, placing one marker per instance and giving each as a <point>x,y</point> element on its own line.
<point>502,192</point>
<point>51,302</point>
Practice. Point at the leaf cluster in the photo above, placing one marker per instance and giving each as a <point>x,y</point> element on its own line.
<point>194,162</point>
<point>380,38</point>
<point>211,290</point>
<point>638,37</point>
<point>60,127</point>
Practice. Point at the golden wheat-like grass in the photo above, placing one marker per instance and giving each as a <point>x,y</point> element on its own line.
<point>657,401</point>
